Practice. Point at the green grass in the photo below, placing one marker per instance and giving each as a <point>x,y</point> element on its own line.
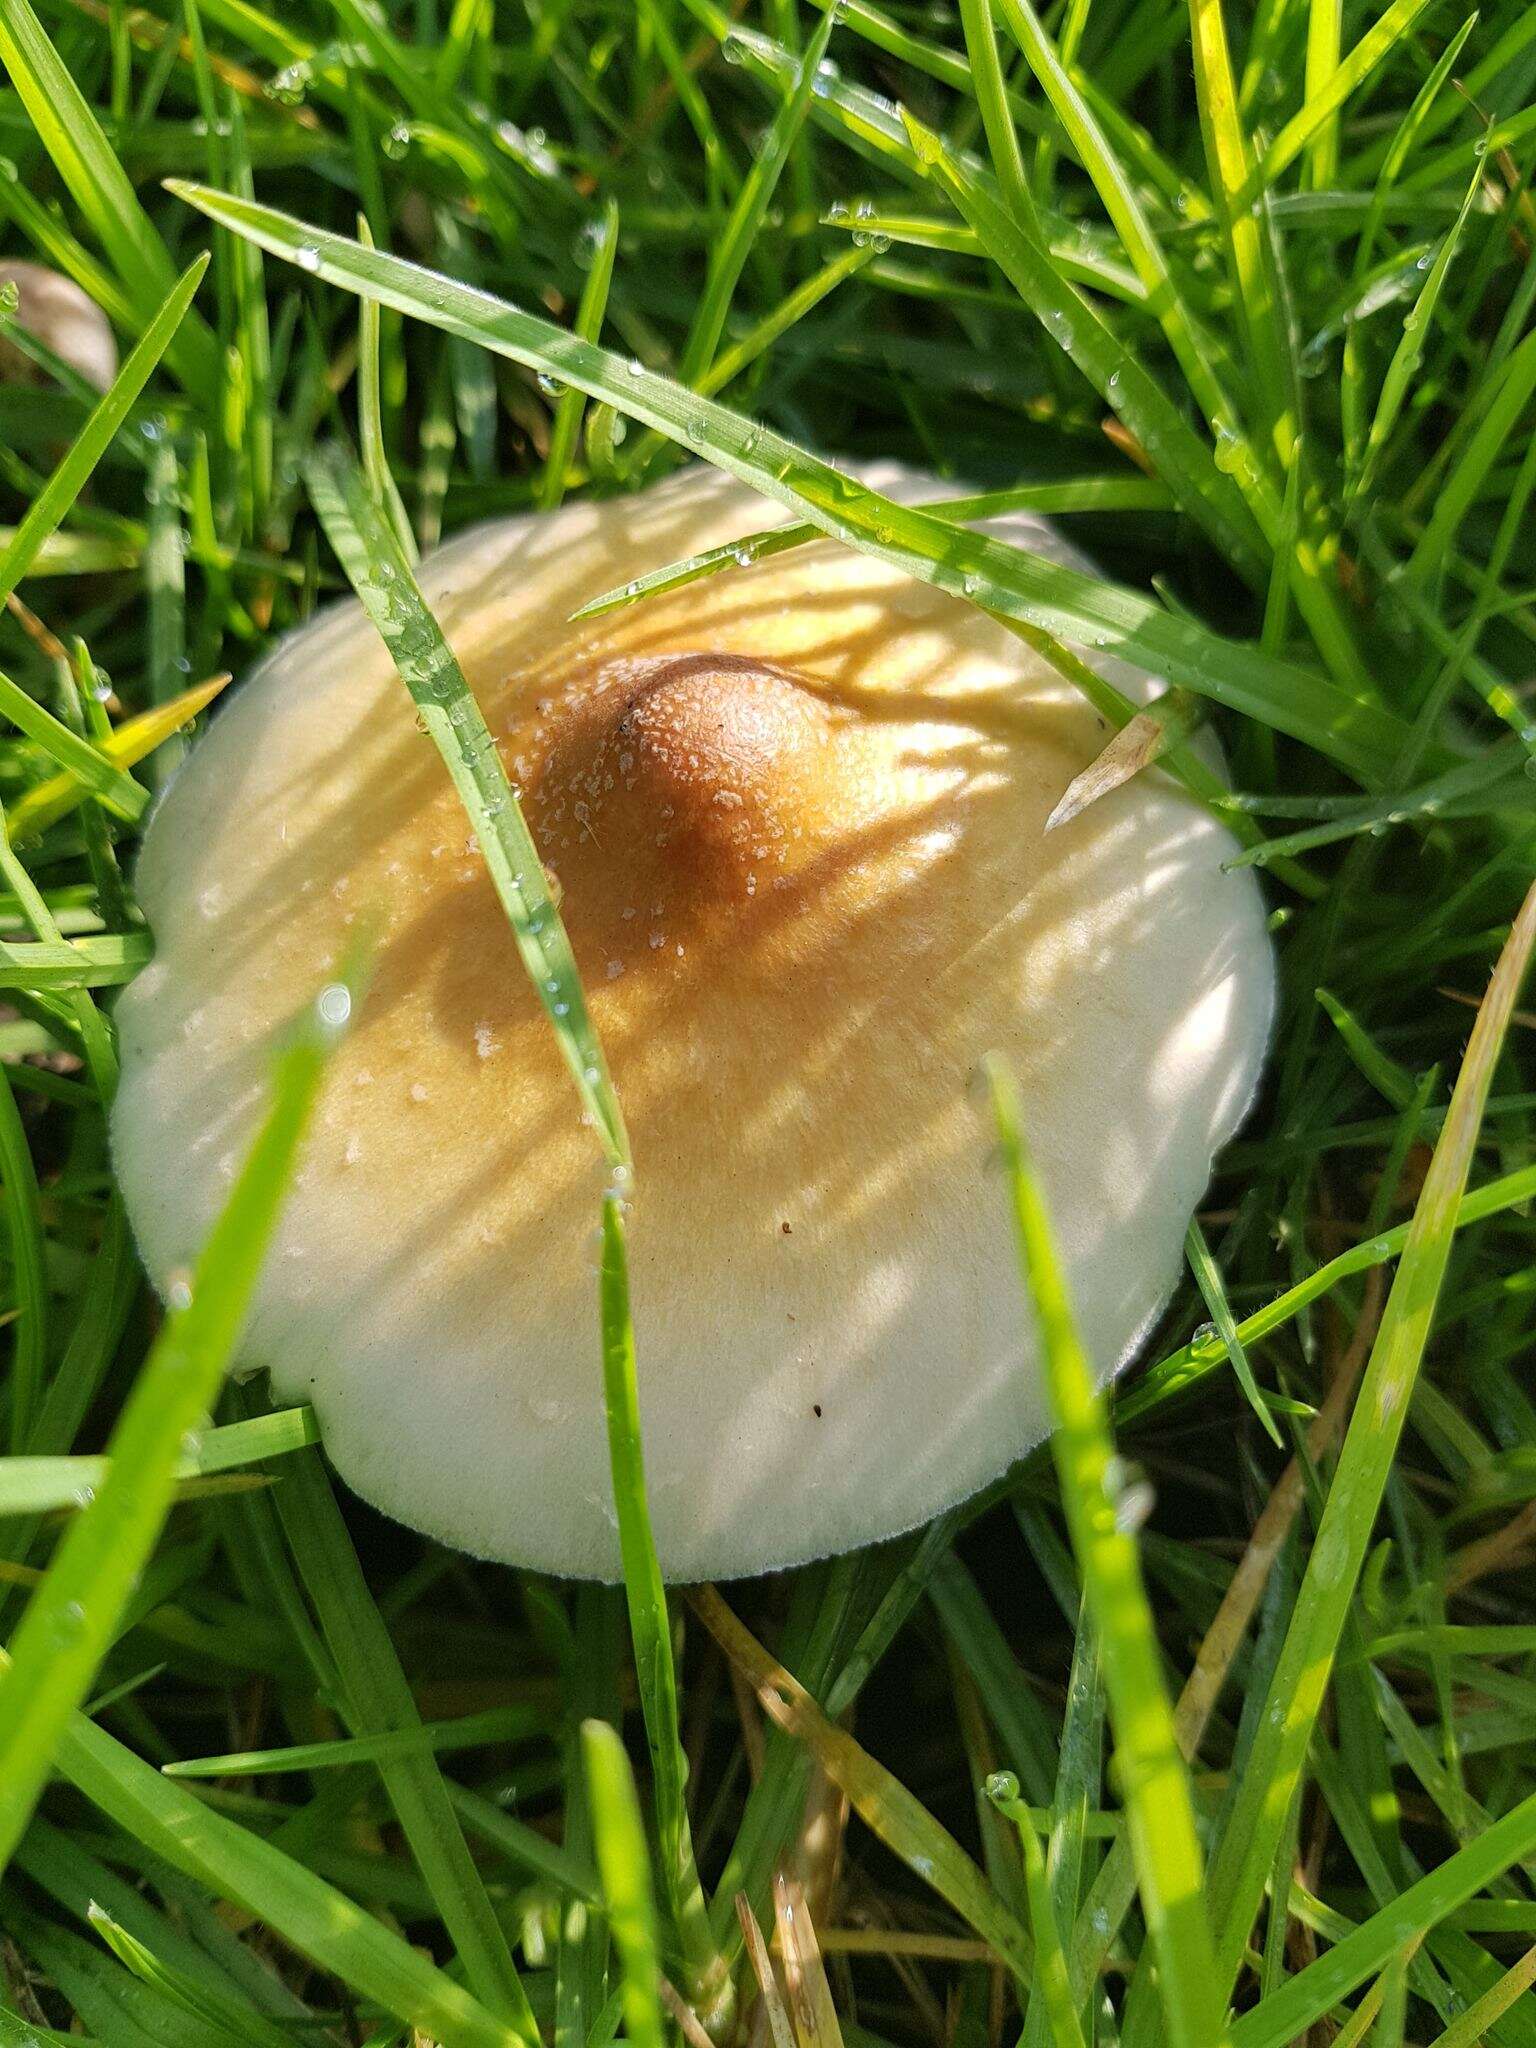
<point>1215,1720</point>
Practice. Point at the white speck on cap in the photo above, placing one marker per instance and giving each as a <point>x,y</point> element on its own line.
<point>798,1053</point>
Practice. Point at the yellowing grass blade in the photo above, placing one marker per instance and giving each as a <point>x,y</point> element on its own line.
<point>135,738</point>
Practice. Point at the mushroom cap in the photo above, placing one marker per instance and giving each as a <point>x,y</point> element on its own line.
<point>66,317</point>
<point>796,813</point>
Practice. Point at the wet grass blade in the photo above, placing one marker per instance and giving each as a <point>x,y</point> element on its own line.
<point>1214,1294</point>
<point>1053,1986</point>
<point>1074,607</point>
<point>1176,454</point>
<point>38,1485</point>
<point>364,539</point>
<point>72,1617</point>
<point>1109,494</point>
<point>1263,1798</point>
<point>87,767</point>
<point>747,214</point>
<point>1181,1368</point>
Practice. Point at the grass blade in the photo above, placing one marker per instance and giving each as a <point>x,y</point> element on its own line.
<point>1343,78</point>
<point>236,1864</point>
<point>72,1618</point>
<point>44,804</point>
<point>48,508</point>
<point>29,1270</point>
<point>1174,451</point>
<point>1374,1945</point>
<point>619,1834</point>
<point>101,189</point>
<point>589,325</point>
<point>1214,1294</point>
<point>1053,1985</point>
<point>708,1981</point>
<point>1154,1782</point>
<point>364,539</point>
<point>747,214</point>
<point>1192,1361</point>
<point>379,1704</point>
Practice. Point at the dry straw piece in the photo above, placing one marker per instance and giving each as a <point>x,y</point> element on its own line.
<point>796,814</point>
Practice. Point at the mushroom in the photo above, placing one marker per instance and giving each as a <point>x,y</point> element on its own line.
<point>63,316</point>
<point>797,816</point>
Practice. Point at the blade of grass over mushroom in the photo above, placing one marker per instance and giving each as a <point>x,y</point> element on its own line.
<point>708,1980</point>
<point>1154,1781</point>
<point>1267,1787</point>
<point>1107,494</point>
<point>589,324</point>
<point>1360,736</point>
<point>49,507</point>
<point>366,545</point>
<point>72,1617</point>
<point>899,1819</point>
<point>619,1835</point>
<point>102,190</point>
